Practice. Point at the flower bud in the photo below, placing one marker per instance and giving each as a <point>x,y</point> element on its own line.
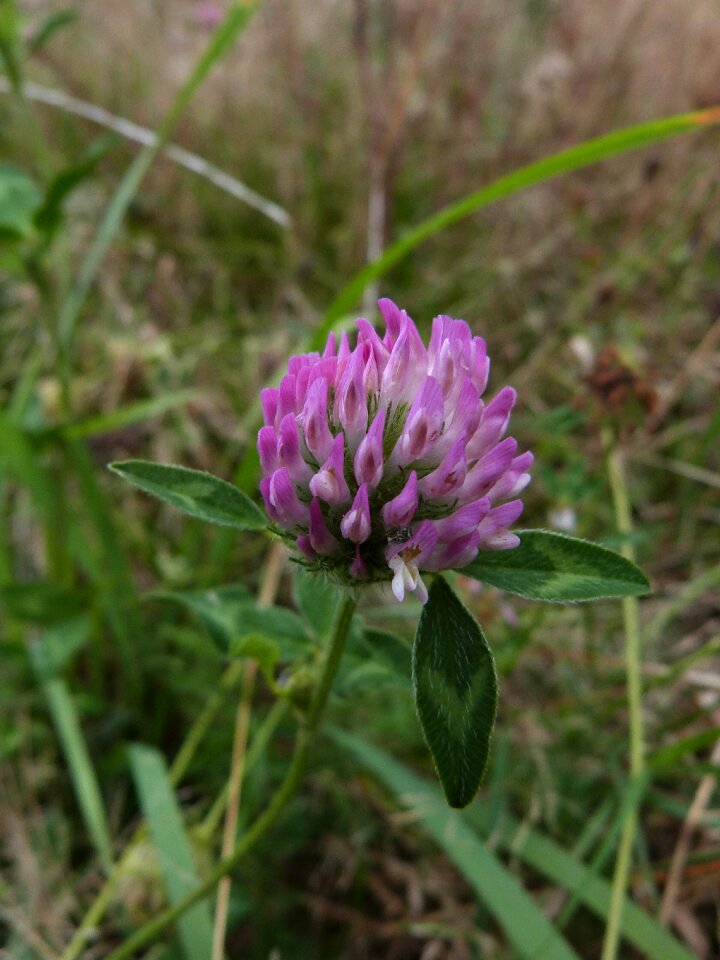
<point>329,482</point>
<point>356,524</point>
<point>368,463</point>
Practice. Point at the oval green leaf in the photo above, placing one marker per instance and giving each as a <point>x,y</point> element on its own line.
<point>455,692</point>
<point>559,569</point>
<point>195,492</point>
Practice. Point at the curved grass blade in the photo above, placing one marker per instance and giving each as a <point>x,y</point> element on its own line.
<point>527,843</point>
<point>43,655</point>
<point>575,158</point>
<point>528,931</point>
<point>85,784</point>
<point>556,568</point>
<point>164,819</point>
<point>131,414</point>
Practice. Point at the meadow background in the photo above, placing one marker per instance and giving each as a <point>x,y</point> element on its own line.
<point>599,296</point>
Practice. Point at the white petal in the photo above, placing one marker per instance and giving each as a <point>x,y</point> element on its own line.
<point>421,590</point>
<point>398,586</point>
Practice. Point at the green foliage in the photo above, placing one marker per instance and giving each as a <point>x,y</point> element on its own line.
<point>196,493</point>
<point>49,215</point>
<point>194,308</point>
<point>11,43</point>
<point>77,756</point>
<point>455,692</point>
<point>42,602</point>
<point>558,569</point>
<point>164,819</point>
<point>259,647</point>
<point>239,625</point>
<point>575,158</point>
<point>451,832</point>
<point>19,200</point>
<point>59,645</point>
<point>527,929</point>
<point>51,25</point>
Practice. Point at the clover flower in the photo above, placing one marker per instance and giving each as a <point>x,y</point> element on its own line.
<point>383,461</point>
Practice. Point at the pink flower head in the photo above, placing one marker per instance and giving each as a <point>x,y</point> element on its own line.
<point>383,461</point>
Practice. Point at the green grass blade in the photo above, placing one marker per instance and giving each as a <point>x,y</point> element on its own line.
<point>85,784</point>
<point>539,852</point>
<point>555,863</point>
<point>575,158</point>
<point>130,415</point>
<point>162,813</point>
<point>118,596</point>
<point>528,931</point>
<point>228,31</point>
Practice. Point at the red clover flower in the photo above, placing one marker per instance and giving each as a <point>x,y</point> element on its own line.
<point>383,461</point>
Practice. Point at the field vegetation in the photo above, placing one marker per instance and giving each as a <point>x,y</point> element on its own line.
<point>598,292</point>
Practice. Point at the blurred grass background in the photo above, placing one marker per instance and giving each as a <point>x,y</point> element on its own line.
<point>599,296</point>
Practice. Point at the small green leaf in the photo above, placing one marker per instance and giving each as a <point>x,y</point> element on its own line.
<point>19,198</point>
<point>285,627</point>
<point>559,569</point>
<point>196,493</point>
<point>229,614</point>
<point>217,609</point>
<point>48,216</point>
<point>455,692</point>
<point>260,648</point>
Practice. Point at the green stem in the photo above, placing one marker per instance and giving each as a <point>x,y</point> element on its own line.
<point>150,931</point>
<point>633,670</point>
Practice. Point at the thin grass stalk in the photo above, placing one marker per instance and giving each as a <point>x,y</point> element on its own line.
<point>268,590</point>
<point>633,670</point>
